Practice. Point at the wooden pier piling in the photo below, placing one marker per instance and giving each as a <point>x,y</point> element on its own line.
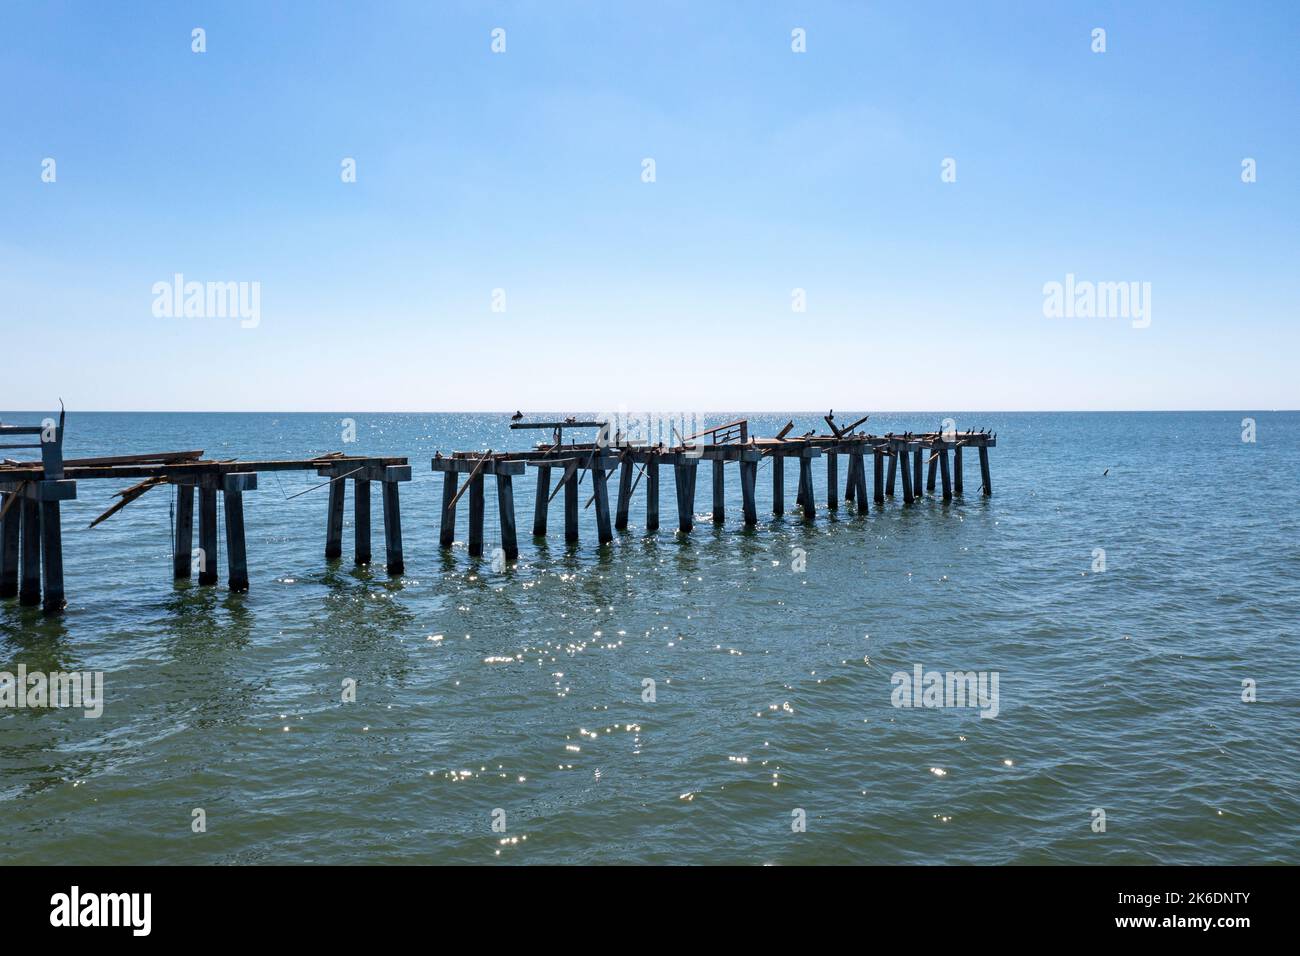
<point>748,478</point>
<point>944,472</point>
<point>652,493</point>
<point>878,470</point>
<point>447,519</point>
<point>918,461</point>
<point>600,489</point>
<point>333,523</point>
<point>183,545</point>
<point>571,507</point>
<point>806,488</point>
<point>778,485</point>
<point>956,469</point>
<point>833,480</point>
<point>208,533</point>
<point>233,488</point>
<point>984,470</point>
<point>29,588</point>
<point>476,515</point>
<point>684,473</point>
<point>506,514</point>
<point>624,493</point>
<point>395,560</point>
<point>719,492</point>
<point>361,520</point>
<point>542,501</point>
<point>9,544</point>
<point>909,492</point>
<point>859,469</point>
<point>894,456</point>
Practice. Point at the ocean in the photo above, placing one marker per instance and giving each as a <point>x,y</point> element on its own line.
<point>727,696</point>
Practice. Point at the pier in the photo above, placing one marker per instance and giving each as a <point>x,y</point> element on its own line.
<point>31,541</point>
<point>904,457</point>
<point>31,491</point>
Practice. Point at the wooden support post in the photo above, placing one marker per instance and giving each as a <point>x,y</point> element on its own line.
<point>600,487</point>
<point>858,480</point>
<point>943,471</point>
<point>207,535</point>
<point>806,487</point>
<point>183,546</point>
<point>476,516</point>
<point>719,493</point>
<point>334,521</point>
<point>396,562</point>
<point>542,501</point>
<point>833,480</point>
<point>685,474</point>
<point>29,591</point>
<point>917,464</point>
<point>447,520</point>
<point>850,488</point>
<point>956,470</point>
<point>860,483</point>
<point>236,553</point>
<point>934,466</point>
<point>361,520</point>
<point>571,507</point>
<point>52,557</point>
<point>9,538</point>
<point>652,493</point>
<point>905,466</point>
<point>506,512</point>
<point>893,469</point>
<point>748,478</point>
<point>878,471</point>
<point>778,485</point>
<point>984,470</point>
<point>624,494</point>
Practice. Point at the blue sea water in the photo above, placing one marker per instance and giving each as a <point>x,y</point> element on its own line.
<point>516,696</point>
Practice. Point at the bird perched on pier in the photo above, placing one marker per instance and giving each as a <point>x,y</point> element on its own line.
<point>516,416</point>
<point>810,433</point>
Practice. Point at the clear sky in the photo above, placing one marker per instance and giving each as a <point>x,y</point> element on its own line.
<point>774,171</point>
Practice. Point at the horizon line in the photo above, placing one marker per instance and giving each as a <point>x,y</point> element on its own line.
<point>715,411</point>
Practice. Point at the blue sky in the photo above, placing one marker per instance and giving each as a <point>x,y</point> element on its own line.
<point>774,171</point>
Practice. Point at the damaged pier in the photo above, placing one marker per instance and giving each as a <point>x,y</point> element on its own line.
<point>568,465</point>
<point>31,548</point>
